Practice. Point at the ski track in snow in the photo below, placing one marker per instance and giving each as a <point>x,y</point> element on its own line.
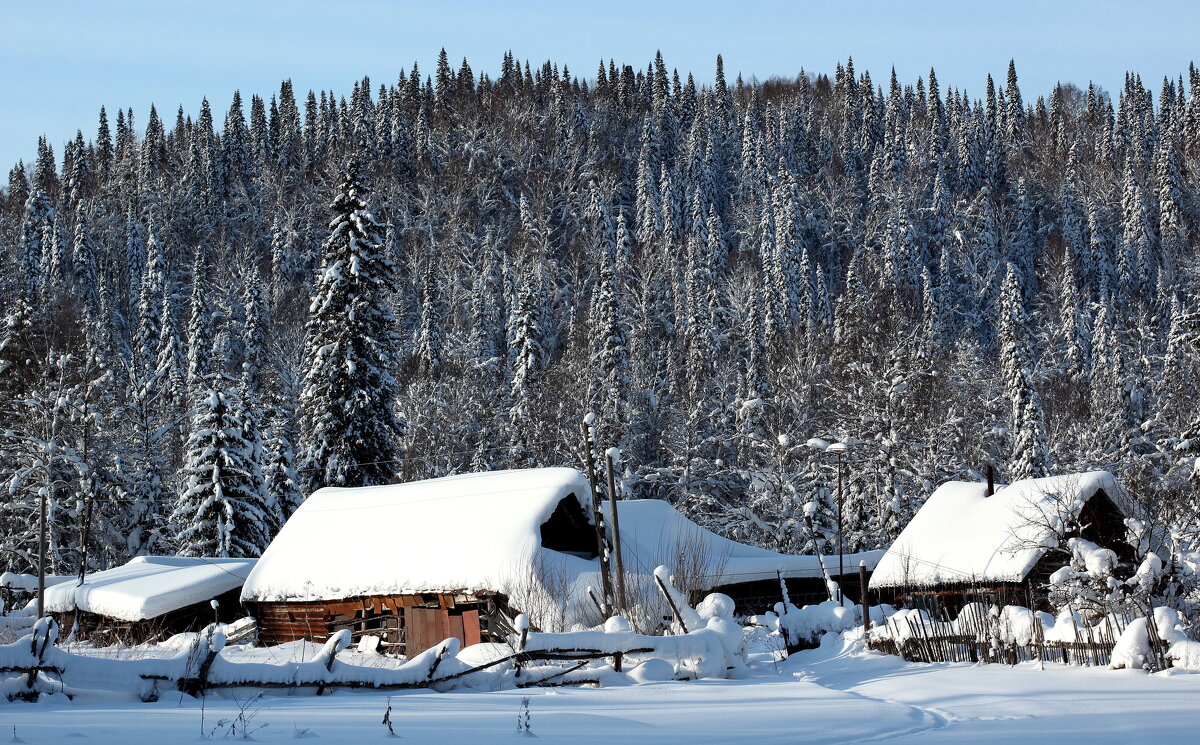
<point>937,719</point>
<point>1001,704</point>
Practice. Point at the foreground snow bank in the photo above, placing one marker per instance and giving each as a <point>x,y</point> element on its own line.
<point>194,663</point>
<point>823,696</point>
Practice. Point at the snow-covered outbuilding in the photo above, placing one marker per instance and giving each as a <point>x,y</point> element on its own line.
<point>967,541</point>
<point>461,555</point>
<point>149,598</point>
<point>16,590</point>
<point>655,533</point>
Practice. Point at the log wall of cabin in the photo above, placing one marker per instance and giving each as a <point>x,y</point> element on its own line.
<point>760,596</point>
<point>405,624</point>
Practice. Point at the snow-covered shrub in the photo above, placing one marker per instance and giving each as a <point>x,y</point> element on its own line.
<point>1181,576</point>
<point>1094,579</point>
<point>548,595</point>
<point>1133,648</point>
<point>801,627</point>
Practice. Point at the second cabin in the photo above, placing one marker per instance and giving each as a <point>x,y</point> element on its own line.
<point>970,543</point>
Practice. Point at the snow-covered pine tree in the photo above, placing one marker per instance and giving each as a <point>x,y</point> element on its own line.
<point>1028,448</point>
<point>351,429</point>
<point>279,472</point>
<point>611,343</point>
<point>221,509</point>
<point>429,342</point>
<point>526,365</point>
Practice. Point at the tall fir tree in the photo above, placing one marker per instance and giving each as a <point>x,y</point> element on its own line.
<point>1028,457</point>
<point>221,510</point>
<point>351,428</point>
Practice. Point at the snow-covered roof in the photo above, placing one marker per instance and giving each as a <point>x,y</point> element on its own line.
<point>466,533</point>
<point>961,535</point>
<point>480,532</point>
<point>29,582</point>
<point>149,586</point>
<point>653,532</point>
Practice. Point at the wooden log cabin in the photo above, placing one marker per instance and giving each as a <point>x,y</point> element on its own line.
<point>413,564</point>
<point>971,543</point>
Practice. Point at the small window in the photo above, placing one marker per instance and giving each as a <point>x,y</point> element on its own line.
<point>569,531</point>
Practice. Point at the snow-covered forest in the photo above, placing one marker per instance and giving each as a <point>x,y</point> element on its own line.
<point>208,315</point>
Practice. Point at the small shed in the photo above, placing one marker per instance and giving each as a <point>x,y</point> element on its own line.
<point>16,590</point>
<point>966,542</point>
<point>150,598</point>
<point>460,556</point>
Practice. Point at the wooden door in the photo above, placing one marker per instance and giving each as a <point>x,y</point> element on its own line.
<point>428,627</point>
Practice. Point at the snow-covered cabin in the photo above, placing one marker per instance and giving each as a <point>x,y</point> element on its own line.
<point>654,533</point>
<point>461,555</point>
<point>966,541</point>
<point>149,598</point>
<point>418,562</point>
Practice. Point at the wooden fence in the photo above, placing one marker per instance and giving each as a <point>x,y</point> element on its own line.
<point>981,637</point>
<point>35,665</point>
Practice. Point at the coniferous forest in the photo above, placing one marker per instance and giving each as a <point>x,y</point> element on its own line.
<point>208,313</point>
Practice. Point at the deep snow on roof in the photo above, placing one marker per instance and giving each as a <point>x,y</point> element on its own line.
<point>962,535</point>
<point>149,586</point>
<point>654,533</point>
<point>481,532</point>
<point>471,532</point>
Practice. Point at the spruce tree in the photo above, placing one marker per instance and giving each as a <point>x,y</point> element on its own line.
<point>221,510</point>
<point>351,428</point>
<point>279,471</point>
<point>1028,448</point>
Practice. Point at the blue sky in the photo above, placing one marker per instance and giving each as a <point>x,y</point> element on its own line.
<point>62,60</point>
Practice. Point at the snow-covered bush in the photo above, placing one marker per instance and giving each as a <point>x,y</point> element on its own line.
<point>1133,648</point>
<point>1096,581</point>
<point>804,627</point>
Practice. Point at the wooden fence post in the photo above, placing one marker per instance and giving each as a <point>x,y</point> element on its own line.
<point>864,600</point>
<point>522,640</point>
<point>670,601</point>
<point>197,685</point>
<point>783,630</point>
<point>622,598</point>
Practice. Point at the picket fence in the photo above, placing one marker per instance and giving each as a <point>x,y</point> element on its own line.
<point>979,636</point>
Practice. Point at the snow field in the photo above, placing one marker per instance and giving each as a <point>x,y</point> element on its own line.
<point>834,694</point>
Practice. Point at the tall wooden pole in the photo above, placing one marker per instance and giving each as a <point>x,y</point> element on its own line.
<point>622,598</point>
<point>862,596</point>
<point>87,529</point>
<point>598,520</point>
<point>41,598</point>
<point>841,551</point>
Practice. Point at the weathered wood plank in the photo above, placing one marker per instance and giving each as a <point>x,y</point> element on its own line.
<point>471,631</point>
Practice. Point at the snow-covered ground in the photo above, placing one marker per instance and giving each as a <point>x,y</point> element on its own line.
<point>828,695</point>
